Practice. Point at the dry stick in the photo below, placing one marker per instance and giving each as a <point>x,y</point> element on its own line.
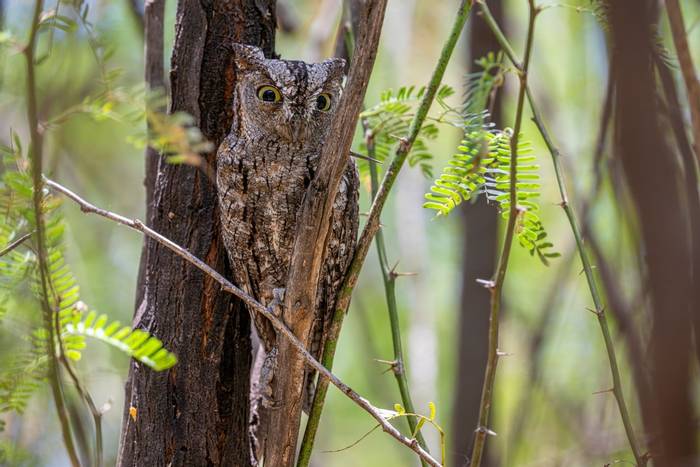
<point>640,458</point>
<point>692,84</point>
<point>496,286</point>
<point>252,304</point>
<point>389,276</point>
<point>371,227</point>
<point>37,161</point>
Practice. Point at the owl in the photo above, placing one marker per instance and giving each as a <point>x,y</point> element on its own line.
<point>282,114</point>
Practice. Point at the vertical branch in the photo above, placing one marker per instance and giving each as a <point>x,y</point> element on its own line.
<point>94,411</point>
<point>496,285</point>
<point>692,85</point>
<point>36,154</point>
<point>372,225</point>
<point>389,277</point>
<point>653,174</point>
<point>675,115</point>
<point>576,231</point>
<point>346,37</point>
<point>479,249</point>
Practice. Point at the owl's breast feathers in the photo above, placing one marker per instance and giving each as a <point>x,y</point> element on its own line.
<point>261,182</point>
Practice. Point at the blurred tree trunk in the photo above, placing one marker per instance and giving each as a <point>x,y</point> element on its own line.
<point>196,413</point>
<point>654,177</point>
<point>480,242</point>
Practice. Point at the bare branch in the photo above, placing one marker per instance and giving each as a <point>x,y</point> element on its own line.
<point>16,243</point>
<point>253,304</point>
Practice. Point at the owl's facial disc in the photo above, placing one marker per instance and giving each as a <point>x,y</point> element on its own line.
<point>290,99</point>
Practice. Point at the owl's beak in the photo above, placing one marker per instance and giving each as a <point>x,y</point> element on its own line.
<point>296,128</point>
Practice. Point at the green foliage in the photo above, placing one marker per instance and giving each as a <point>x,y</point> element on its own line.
<point>480,86</point>
<point>77,322</point>
<point>24,374</point>
<point>389,120</point>
<point>19,276</point>
<point>483,166</point>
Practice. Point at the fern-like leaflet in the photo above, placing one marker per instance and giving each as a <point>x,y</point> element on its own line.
<point>483,166</point>
<point>389,120</point>
<point>25,370</point>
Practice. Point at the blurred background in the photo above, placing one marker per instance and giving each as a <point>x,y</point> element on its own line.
<point>551,406</point>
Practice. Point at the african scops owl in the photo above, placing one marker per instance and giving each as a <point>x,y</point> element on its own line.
<point>282,115</point>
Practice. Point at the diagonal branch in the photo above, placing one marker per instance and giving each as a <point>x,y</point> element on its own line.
<point>252,304</point>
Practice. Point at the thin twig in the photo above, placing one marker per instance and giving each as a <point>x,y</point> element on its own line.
<point>36,153</point>
<point>16,243</point>
<point>94,411</point>
<point>253,305</point>
<point>640,458</point>
<point>388,274</point>
<point>398,366</point>
<point>373,224</point>
<point>499,278</point>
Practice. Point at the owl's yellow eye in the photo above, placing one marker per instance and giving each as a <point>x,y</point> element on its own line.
<point>323,102</point>
<point>269,94</point>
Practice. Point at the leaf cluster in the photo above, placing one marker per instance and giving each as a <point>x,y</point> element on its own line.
<point>20,282</point>
<point>388,121</point>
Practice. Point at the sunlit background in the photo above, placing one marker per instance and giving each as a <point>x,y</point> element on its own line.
<point>549,408</point>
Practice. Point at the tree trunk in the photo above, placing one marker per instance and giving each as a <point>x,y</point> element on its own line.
<point>654,178</point>
<point>196,413</point>
<point>480,243</point>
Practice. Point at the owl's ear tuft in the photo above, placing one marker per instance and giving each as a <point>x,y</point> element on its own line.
<point>247,56</point>
<point>336,68</point>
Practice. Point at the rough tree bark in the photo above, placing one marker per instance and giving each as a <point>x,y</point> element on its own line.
<point>480,243</point>
<point>196,413</point>
<point>652,173</point>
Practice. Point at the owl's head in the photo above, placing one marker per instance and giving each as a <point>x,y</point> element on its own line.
<point>290,99</point>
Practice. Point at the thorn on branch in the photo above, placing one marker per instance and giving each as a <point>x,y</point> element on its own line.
<point>486,431</point>
<point>404,145</point>
<point>598,313</point>
<point>357,155</point>
<point>486,283</point>
<point>500,353</point>
<point>390,364</point>
<point>604,391</point>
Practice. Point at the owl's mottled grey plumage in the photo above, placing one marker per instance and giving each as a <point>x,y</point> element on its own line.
<point>263,169</point>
